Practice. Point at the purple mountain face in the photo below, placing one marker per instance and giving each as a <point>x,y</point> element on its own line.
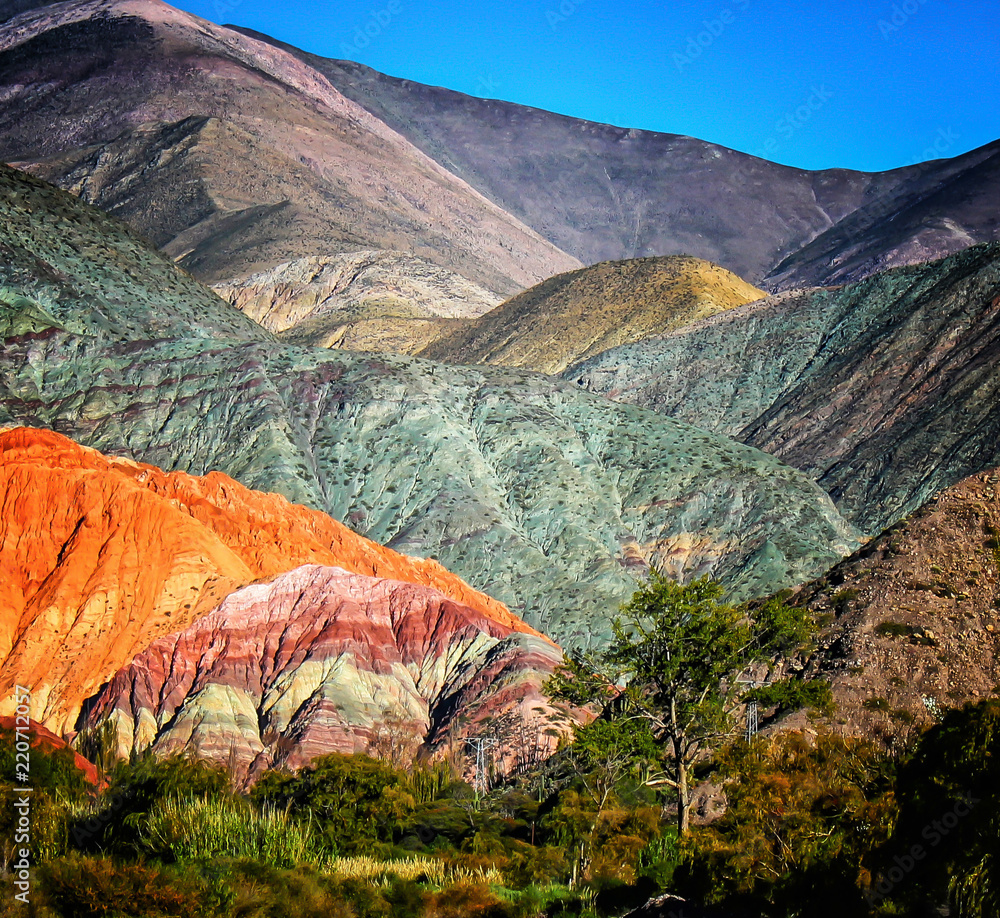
<point>236,154</point>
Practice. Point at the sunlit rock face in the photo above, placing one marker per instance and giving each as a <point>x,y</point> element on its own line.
<point>320,660</point>
<point>99,556</point>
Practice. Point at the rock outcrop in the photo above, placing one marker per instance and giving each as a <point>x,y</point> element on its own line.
<point>574,316</point>
<point>913,618</point>
<point>363,301</point>
<point>320,661</point>
<point>884,391</point>
<point>99,556</point>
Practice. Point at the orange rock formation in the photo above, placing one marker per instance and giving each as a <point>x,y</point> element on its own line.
<point>99,556</point>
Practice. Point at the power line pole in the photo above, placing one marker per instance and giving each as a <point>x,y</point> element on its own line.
<point>481,744</point>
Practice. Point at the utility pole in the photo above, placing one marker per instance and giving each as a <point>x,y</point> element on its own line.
<point>753,713</point>
<point>480,744</point>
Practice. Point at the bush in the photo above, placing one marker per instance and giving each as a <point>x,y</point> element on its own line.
<point>98,887</point>
<point>355,801</point>
<point>949,799</point>
<point>135,790</point>
<point>794,694</point>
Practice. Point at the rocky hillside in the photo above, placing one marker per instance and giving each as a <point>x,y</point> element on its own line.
<point>363,301</point>
<point>884,391</point>
<point>577,315</point>
<point>321,661</point>
<point>99,556</point>
<point>547,497</point>
<point>606,193</point>
<point>234,156</point>
<point>73,267</point>
<point>914,616</point>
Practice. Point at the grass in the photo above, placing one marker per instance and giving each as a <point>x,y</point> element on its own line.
<point>433,871</point>
<point>186,829</point>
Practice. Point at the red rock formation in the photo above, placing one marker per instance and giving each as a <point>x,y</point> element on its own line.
<point>99,556</point>
<point>321,660</point>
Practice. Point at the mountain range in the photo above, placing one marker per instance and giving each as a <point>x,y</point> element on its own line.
<point>465,371</point>
<point>545,496</point>
<point>237,154</point>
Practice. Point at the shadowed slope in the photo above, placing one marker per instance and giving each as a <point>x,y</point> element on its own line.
<point>884,391</point>
<point>605,193</point>
<point>232,155</point>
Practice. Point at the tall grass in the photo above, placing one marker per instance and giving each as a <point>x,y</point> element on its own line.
<point>184,829</point>
<point>433,871</point>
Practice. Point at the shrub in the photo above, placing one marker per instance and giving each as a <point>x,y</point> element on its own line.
<point>98,887</point>
<point>793,694</point>
<point>355,801</point>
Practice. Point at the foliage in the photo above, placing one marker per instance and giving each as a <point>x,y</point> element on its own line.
<point>136,788</point>
<point>355,801</point>
<point>179,829</point>
<point>946,847</point>
<point>672,668</point>
<point>801,817</point>
<point>97,887</point>
<point>793,694</point>
<point>57,784</point>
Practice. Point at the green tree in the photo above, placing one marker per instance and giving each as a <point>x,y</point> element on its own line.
<point>356,801</point>
<point>672,668</point>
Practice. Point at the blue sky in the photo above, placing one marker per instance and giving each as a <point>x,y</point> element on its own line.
<point>863,85</point>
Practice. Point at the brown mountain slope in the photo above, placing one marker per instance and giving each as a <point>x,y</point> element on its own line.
<point>231,155</point>
<point>321,661</point>
<point>602,192</point>
<point>99,556</point>
<point>578,315</point>
<point>360,301</point>
<point>915,615</point>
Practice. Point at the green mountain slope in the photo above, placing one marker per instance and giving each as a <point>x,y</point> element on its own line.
<point>884,391</point>
<point>550,498</point>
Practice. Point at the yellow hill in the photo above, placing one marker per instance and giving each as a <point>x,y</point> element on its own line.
<point>579,314</point>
